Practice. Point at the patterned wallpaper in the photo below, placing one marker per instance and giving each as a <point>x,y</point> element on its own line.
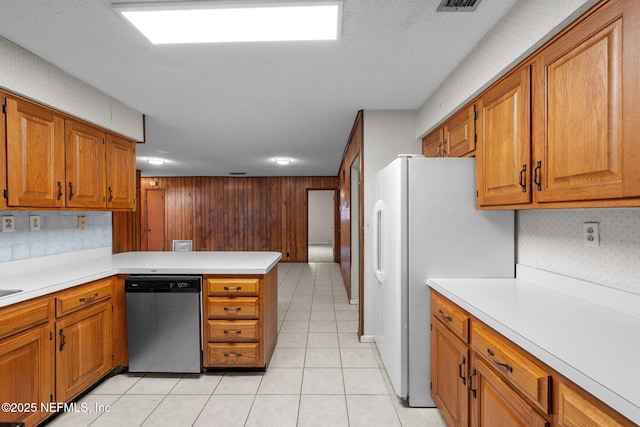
<point>58,234</point>
<point>31,76</point>
<point>552,240</point>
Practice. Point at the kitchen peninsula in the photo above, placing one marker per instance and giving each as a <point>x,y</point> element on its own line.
<point>66,328</point>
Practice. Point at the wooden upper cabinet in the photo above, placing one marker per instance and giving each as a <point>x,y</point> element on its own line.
<point>503,153</point>
<point>85,166</point>
<point>587,84</point>
<point>121,173</point>
<point>432,143</point>
<point>35,155</point>
<point>456,138</point>
<point>459,133</point>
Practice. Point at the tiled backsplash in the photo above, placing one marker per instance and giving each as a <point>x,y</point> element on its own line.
<point>553,240</point>
<point>58,234</point>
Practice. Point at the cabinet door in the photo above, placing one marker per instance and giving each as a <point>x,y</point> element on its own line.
<point>449,362</point>
<point>495,404</point>
<point>27,373</point>
<point>587,82</point>
<point>85,165</point>
<point>35,151</point>
<point>459,134</point>
<point>121,173</point>
<point>432,144</point>
<point>503,152</point>
<point>83,343</point>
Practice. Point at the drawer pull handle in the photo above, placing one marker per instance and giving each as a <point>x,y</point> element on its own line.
<point>233,288</point>
<point>238,332</point>
<point>445,317</point>
<point>460,370</point>
<point>499,363</point>
<point>63,339</point>
<point>473,390</point>
<point>89,298</point>
<point>236,309</point>
<point>226,354</point>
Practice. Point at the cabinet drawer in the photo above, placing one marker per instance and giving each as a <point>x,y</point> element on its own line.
<point>82,296</point>
<point>246,354</point>
<point>233,308</point>
<point>232,331</point>
<point>575,410</point>
<point>451,315</point>
<point>228,287</point>
<point>516,367</point>
<point>22,316</point>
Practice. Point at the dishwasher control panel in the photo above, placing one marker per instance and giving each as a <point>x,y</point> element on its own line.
<point>158,283</point>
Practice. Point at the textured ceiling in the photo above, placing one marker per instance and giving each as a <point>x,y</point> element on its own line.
<point>214,109</point>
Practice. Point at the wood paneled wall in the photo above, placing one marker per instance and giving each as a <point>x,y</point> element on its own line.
<point>353,150</point>
<point>236,214</point>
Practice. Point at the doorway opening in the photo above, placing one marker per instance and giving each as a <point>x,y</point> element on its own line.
<point>355,231</point>
<point>321,225</point>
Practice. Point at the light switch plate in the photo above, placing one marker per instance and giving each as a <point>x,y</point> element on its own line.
<point>8,224</point>
<point>82,222</point>
<point>34,222</point>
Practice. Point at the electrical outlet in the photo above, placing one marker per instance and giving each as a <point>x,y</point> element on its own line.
<point>8,224</point>
<point>82,222</point>
<point>591,233</point>
<point>34,222</point>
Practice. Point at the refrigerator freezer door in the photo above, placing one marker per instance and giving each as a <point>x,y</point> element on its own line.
<point>391,312</point>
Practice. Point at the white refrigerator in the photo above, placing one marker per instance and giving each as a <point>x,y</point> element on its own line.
<point>425,224</point>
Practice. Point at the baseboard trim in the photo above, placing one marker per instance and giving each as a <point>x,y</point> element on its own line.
<point>367,338</point>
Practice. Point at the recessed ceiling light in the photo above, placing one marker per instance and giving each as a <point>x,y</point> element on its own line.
<point>282,161</point>
<point>156,161</point>
<point>219,22</point>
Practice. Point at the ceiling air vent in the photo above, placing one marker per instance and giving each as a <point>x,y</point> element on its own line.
<point>458,5</point>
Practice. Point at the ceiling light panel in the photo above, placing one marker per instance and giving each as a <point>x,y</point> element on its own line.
<point>220,22</point>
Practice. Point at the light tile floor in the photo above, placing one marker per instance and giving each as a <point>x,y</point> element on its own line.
<point>319,375</point>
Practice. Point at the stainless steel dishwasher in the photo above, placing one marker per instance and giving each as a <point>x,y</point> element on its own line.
<point>163,323</point>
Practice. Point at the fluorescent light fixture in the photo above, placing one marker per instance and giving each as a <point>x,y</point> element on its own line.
<point>239,21</point>
<point>282,161</point>
<point>156,161</point>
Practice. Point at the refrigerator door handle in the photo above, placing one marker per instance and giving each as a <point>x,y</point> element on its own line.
<point>378,209</point>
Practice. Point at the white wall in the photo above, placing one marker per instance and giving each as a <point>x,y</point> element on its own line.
<point>524,28</point>
<point>31,76</point>
<point>321,216</point>
<point>386,134</point>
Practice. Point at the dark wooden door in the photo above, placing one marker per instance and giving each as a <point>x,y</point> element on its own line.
<point>155,220</point>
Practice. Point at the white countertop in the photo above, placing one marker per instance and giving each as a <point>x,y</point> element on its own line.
<point>41,276</point>
<point>593,342</point>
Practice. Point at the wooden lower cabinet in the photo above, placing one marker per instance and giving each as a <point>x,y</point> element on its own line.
<point>449,374</point>
<point>240,315</point>
<point>505,386</point>
<point>495,403</point>
<point>27,374</point>
<point>83,343</point>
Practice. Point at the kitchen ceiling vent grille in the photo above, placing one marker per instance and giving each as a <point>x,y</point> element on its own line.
<point>458,5</point>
